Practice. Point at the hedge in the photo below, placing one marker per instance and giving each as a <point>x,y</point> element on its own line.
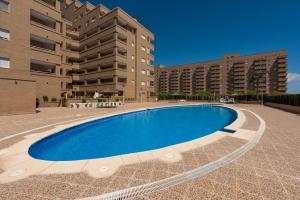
<point>289,99</point>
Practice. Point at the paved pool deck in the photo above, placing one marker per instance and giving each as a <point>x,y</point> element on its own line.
<point>269,171</point>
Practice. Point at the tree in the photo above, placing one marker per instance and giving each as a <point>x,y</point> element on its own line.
<point>257,78</point>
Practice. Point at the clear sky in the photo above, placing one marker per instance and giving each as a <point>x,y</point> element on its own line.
<point>199,30</point>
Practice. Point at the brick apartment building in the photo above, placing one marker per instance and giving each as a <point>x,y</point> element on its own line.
<point>232,74</point>
<point>51,47</point>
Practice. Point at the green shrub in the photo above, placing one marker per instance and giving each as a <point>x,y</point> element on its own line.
<point>45,98</point>
<point>289,99</point>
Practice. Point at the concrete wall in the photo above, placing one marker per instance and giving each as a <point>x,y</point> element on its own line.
<point>17,96</point>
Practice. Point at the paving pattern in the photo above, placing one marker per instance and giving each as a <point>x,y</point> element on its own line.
<point>81,185</point>
<point>270,171</point>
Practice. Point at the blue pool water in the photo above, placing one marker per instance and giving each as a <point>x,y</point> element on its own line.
<point>133,132</point>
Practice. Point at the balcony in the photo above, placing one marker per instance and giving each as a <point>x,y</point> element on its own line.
<point>41,67</point>
<point>122,52</point>
<point>107,25</point>
<point>42,20</point>
<point>47,6</point>
<point>70,54</point>
<point>281,60</point>
<point>282,75</point>
<point>107,67</point>
<point>122,66</point>
<point>92,57</point>
<point>42,43</point>
<point>281,70</point>
<point>122,80</point>
<point>92,32</point>
<point>73,34</point>
<point>282,79</point>
<point>107,53</point>
<point>92,44</point>
<point>281,84</point>
<point>281,65</point>
<point>107,81</point>
<point>51,3</point>
<point>122,38</point>
<point>92,82</point>
<point>74,62</point>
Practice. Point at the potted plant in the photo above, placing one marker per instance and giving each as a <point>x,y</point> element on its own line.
<point>45,98</point>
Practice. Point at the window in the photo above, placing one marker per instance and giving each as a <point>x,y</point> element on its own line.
<point>4,5</point>
<point>143,37</point>
<point>132,44</point>
<point>132,57</point>
<point>4,34</point>
<point>132,69</point>
<point>148,73</point>
<point>143,83</point>
<point>148,50</point>
<point>133,82</point>
<point>148,62</point>
<point>143,48</point>
<point>143,71</point>
<point>4,63</point>
<point>93,19</point>
<point>143,60</point>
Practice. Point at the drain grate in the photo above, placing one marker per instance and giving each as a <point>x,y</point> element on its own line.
<point>228,130</point>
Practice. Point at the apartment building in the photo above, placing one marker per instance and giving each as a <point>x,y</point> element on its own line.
<point>232,74</point>
<point>52,47</point>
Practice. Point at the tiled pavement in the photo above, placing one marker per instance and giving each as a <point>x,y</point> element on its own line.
<point>270,171</point>
<point>81,185</point>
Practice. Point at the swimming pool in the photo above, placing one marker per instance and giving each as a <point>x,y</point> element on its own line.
<point>133,132</point>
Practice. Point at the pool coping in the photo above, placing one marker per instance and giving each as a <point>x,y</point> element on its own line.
<point>189,175</point>
<point>18,164</point>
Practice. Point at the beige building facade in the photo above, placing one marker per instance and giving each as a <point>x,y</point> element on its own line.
<point>50,47</point>
<point>232,74</point>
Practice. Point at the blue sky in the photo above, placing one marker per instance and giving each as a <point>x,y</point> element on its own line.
<point>198,30</point>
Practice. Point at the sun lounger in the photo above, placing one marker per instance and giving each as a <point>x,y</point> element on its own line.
<point>227,100</point>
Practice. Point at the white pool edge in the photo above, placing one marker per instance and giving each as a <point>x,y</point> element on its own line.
<point>16,157</point>
<point>181,178</point>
